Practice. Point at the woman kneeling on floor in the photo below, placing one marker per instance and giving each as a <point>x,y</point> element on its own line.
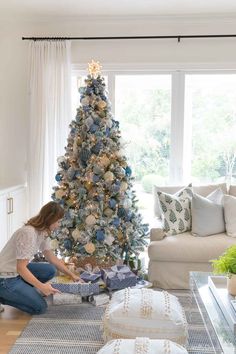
<point>23,284</point>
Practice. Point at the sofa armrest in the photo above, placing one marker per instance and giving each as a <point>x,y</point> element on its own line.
<point>156,233</point>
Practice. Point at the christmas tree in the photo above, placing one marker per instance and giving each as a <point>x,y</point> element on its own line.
<point>95,185</point>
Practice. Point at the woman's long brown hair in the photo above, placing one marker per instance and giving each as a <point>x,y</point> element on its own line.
<point>49,213</point>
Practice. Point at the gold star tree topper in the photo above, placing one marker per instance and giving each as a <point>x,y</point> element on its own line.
<point>94,68</point>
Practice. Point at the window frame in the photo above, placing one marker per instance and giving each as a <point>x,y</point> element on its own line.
<point>180,150</point>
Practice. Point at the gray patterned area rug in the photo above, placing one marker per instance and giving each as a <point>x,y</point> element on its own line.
<point>70,329</point>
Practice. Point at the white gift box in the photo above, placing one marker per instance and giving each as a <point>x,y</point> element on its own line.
<point>100,299</point>
<point>141,346</point>
<point>135,313</point>
<point>66,299</point>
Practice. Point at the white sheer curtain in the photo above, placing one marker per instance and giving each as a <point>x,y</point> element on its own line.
<point>50,114</point>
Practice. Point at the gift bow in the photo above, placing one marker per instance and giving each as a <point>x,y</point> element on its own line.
<point>119,273</point>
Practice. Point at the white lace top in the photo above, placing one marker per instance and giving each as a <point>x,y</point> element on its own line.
<point>23,244</point>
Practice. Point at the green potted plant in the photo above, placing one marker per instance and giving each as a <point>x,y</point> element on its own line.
<point>226,264</point>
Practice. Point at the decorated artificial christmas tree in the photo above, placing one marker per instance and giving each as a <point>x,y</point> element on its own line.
<point>95,184</point>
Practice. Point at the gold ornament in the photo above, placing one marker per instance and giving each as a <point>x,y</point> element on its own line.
<point>120,235</point>
<point>89,248</point>
<point>94,68</point>
<point>60,193</point>
<point>88,185</point>
<point>101,104</point>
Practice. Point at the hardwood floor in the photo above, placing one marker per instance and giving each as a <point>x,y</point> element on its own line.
<point>12,322</point>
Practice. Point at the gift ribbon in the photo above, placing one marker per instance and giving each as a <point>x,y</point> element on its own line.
<point>116,272</point>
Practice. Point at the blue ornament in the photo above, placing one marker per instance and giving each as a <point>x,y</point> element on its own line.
<point>67,244</point>
<point>97,121</point>
<point>97,147</point>
<point>96,178</point>
<point>116,222</point>
<point>86,108</point>
<point>84,154</point>
<point>128,216</point>
<point>93,128</point>
<point>100,235</point>
<point>128,171</point>
<point>121,212</point>
<point>58,177</point>
<point>115,187</point>
<point>89,90</point>
<point>112,203</point>
<point>107,132</point>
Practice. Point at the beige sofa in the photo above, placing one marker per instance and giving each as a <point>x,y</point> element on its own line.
<point>171,258</point>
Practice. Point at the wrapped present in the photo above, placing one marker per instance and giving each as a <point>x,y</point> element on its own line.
<point>99,300</point>
<point>66,299</point>
<point>118,277</point>
<point>66,285</point>
<point>90,274</point>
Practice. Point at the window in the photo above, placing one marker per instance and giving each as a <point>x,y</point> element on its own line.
<point>211,109</point>
<point>177,127</point>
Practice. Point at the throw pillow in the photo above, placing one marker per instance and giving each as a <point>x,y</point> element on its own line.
<point>176,211</point>
<point>171,190</point>
<point>216,196</point>
<point>230,215</point>
<point>207,216</point>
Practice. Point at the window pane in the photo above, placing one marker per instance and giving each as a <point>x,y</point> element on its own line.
<point>143,108</point>
<point>211,105</point>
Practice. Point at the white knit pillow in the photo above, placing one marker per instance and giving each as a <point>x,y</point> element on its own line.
<point>141,346</point>
<point>230,215</point>
<point>135,313</point>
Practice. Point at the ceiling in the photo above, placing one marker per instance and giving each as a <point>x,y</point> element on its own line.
<point>73,8</point>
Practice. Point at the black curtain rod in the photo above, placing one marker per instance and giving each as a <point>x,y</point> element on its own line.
<point>179,37</point>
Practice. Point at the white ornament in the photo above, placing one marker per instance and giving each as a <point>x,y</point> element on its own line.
<point>85,101</point>
<point>109,176</point>
<point>109,123</point>
<point>108,212</point>
<point>76,234</point>
<point>61,159</point>
<point>54,244</point>
<point>109,240</point>
<point>123,186</point>
<point>127,203</point>
<point>89,121</point>
<point>90,220</point>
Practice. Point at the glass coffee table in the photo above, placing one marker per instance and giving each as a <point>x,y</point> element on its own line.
<point>222,337</point>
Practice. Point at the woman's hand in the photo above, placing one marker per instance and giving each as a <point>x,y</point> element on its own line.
<point>76,278</point>
<point>47,289</point>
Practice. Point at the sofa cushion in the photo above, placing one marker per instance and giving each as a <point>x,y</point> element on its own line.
<point>230,215</point>
<point>207,216</point>
<point>176,211</point>
<point>188,248</point>
<point>232,190</point>
<point>207,189</point>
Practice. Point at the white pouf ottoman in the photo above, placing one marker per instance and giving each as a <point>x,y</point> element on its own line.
<point>142,346</point>
<point>135,313</point>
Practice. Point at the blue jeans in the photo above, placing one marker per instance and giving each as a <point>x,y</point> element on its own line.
<point>17,293</point>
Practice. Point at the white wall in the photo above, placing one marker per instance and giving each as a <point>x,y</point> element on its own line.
<point>189,53</point>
